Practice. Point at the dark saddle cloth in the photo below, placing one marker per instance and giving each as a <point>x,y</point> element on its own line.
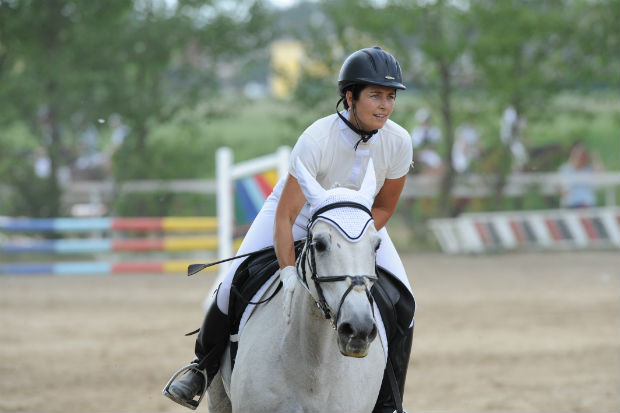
<point>395,302</point>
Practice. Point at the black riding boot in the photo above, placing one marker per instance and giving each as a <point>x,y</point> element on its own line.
<point>211,342</point>
<point>399,352</point>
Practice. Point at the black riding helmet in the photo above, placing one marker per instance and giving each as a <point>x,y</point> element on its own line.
<point>369,66</point>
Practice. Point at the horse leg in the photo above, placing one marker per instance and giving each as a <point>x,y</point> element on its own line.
<point>217,399</point>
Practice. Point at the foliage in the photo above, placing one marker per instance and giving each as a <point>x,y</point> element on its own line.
<point>172,73</point>
<point>19,148</point>
<point>67,66</point>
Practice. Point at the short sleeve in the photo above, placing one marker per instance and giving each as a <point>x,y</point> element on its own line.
<point>402,157</point>
<point>309,152</point>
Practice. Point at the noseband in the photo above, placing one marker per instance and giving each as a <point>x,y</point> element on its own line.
<point>308,255</point>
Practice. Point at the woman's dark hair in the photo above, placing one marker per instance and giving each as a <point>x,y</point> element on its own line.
<point>355,89</point>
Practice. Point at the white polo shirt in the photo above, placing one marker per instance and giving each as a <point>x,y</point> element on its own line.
<point>327,149</point>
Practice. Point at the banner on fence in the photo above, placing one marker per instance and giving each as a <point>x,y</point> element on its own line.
<point>549,229</point>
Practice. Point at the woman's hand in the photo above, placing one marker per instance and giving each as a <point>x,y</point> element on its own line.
<point>288,277</point>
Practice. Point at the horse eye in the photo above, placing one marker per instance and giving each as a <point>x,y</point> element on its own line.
<point>320,246</point>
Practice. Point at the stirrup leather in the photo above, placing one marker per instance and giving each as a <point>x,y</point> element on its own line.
<point>192,404</point>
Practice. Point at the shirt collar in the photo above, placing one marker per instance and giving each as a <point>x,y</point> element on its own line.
<point>351,137</point>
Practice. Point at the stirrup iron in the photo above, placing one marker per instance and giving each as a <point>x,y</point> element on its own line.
<point>192,404</point>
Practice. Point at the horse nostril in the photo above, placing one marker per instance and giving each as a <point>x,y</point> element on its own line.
<point>346,329</point>
<point>373,332</point>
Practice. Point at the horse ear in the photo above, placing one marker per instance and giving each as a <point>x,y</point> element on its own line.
<point>313,191</point>
<point>369,184</point>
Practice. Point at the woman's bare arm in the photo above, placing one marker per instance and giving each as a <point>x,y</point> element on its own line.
<point>290,203</point>
<point>386,200</point>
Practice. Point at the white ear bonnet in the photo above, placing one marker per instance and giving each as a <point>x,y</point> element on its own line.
<point>350,221</point>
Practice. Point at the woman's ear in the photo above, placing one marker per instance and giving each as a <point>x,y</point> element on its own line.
<point>349,98</point>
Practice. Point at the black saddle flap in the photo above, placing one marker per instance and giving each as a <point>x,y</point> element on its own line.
<point>395,303</point>
<point>251,275</point>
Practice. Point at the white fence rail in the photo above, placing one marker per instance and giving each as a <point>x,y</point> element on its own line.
<point>227,172</point>
<point>472,186</point>
<point>518,184</point>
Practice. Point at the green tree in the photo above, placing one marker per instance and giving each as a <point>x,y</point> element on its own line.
<point>430,40</point>
<point>169,61</point>
<point>591,52</point>
<point>147,60</point>
<point>519,51</point>
<point>441,32</point>
<point>50,64</point>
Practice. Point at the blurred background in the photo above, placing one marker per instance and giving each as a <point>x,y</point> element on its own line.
<point>115,91</point>
<point>116,108</point>
<point>111,113</point>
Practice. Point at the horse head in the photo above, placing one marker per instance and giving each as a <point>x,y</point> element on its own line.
<point>337,264</point>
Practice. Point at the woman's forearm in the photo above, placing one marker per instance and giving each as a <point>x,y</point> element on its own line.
<point>290,203</point>
<point>386,200</point>
<point>283,242</point>
<point>381,217</point>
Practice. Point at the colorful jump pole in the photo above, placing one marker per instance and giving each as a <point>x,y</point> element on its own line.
<point>227,173</point>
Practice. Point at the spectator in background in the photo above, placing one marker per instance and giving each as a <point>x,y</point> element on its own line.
<point>575,192</point>
<point>466,148</point>
<point>120,130</point>
<point>89,155</point>
<point>511,134</point>
<point>42,163</point>
<point>426,139</point>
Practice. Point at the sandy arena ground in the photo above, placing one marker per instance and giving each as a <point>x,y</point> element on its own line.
<point>502,333</point>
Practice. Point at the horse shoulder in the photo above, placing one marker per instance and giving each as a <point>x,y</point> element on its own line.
<point>252,378</point>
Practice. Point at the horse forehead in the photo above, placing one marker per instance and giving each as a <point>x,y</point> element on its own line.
<point>322,229</point>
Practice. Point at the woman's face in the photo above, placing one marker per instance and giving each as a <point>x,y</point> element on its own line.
<point>373,107</point>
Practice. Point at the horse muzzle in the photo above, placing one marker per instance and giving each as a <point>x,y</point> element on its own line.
<point>354,338</point>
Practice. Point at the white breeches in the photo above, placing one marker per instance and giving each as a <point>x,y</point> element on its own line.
<point>260,236</point>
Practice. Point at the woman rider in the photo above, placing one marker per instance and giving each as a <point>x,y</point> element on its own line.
<point>336,150</point>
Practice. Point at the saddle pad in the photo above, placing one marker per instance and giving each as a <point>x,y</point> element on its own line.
<point>249,278</point>
<point>250,307</point>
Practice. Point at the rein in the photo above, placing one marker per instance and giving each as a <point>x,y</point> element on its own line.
<point>308,255</point>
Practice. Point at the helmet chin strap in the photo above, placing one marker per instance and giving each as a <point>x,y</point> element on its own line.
<point>364,135</point>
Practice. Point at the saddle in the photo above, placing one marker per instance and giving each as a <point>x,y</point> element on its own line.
<point>393,299</point>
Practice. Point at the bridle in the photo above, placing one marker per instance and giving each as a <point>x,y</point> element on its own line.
<point>308,255</point>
